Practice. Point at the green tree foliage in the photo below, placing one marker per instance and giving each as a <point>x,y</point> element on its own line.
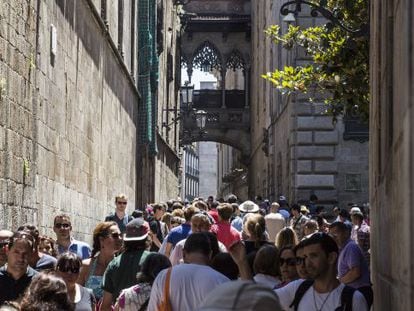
<point>340,59</point>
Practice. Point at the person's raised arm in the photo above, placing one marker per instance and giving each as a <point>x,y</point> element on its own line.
<point>238,252</point>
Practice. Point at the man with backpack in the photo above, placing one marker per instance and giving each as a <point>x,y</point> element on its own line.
<point>323,291</point>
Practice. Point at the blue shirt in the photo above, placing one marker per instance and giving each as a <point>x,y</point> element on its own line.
<point>82,249</point>
<point>179,233</point>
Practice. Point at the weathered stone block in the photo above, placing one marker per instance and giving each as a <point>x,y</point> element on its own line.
<point>315,123</point>
<point>326,137</point>
<point>304,166</point>
<point>315,152</point>
<point>303,138</point>
<point>326,166</point>
<point>302,108</point>
<point>315,181</point>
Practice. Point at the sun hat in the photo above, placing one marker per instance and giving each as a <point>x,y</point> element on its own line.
<point>136,230</point>
<point>249,207</point>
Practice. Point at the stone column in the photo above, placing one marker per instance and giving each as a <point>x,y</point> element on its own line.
<point>223,87</point>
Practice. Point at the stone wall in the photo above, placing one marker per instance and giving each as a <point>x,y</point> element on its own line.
<point>68,120</point>
<point>392,154</point>
<point>296,149</point>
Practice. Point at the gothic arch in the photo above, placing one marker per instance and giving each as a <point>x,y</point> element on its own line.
<point>235,61</point>
<point>207,57</point>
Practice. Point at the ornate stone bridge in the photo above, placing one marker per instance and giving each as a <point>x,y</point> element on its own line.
<point>218,43</point>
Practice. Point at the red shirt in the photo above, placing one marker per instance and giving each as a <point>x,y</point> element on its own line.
<point>213,213</point>
<point>226,234</point>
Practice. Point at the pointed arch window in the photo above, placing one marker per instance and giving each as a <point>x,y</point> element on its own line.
<point>235,61</point>
<point>207,58</point>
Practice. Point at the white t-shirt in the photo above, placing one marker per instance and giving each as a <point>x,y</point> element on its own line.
<point>274,223</point>
<point>267,280</point>
<point>189,285</point>
<point>311,298</point>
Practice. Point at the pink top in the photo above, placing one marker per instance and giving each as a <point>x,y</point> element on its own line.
<point>226,234</point>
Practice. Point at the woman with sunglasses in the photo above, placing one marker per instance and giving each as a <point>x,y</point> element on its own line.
<point>107,242</point>
<point>68,268</point>
<point>287,261</point>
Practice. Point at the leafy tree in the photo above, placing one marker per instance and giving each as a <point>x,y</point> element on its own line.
<point>340,58</point>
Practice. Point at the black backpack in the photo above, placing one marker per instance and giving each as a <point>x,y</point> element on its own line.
<point>346,296</point>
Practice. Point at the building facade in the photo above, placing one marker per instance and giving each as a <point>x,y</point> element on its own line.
<point>391,154</point>
<point>68,111</point>
<point>297,150</point>
<point>159,82</point>
<point>207,154</point>
<point>190,181</point>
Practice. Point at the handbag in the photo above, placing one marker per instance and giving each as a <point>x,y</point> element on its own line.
<point>165,304</point>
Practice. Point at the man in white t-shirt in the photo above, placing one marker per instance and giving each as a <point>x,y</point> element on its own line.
<point>190,282</point>
<point>274,221</point>
<point>320,254</point>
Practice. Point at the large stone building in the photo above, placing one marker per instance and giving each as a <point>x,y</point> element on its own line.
<point>296,150</point>
<point>160,183</point>
<point>391,154</point>
<point>69,109</point>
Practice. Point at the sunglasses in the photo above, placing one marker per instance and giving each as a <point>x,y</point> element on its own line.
<point>3,244</point>
<point>115,235</point>
<point>123,203</point>
<point>69,269</point>
<point>300,260</point>
<point>59,226</point>
<point>288,261</point>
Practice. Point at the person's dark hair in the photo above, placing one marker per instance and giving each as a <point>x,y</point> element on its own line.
<point>200,205</point>
<point>225,211</point>
<point>190,211</point>
<point>215,249</point>
<point>198,242</point>
<point>267,261</point>
<point>286,236</point>
<point>46,292</point>
<point>344,213</point>
<point>232,199</point>
<point>137,214</point>
<point>326,242</point>
<point>295,207</point>
<point>177,205</point>
<point>101,231</point>
<point>224,263</point>
<point>22,236</point>
<point>214,204</point>
<point>157,206</point>
<point>68,259</point>
<point>32,229</point>
<point>151,266</point>
<point>341,226</point>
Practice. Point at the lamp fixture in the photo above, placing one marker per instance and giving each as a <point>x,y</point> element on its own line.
<point>186,94</point>
<point>334,17</point>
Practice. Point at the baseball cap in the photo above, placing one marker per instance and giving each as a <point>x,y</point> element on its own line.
<point>136,230</point>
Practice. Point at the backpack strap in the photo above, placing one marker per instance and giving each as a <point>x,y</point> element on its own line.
<point>302,289</point>
<point>346,299</point>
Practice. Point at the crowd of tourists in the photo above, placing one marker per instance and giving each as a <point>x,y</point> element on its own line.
<point>204,255</point>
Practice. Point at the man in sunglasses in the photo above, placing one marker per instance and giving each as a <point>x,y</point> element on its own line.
<point>64,240</point>
<point>323,291</point>
<point>16,274</point>
<point>120,215</point>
